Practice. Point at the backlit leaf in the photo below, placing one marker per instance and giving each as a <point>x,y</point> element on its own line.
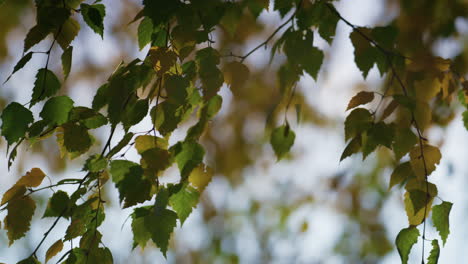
<point>15,121</point>
<point>56,109</point>
<point>183,201</point>
<point>424,160</point>
<point>145,30</point>
<point>188,155</point>
<point>160,224</point>
<point>76,138</point>
<point>405,240</point>
<point>14,192</point>
<point>353,147</point>
<point>282,139</point>
<point>200,177</point>
<point>360,98</point>
<point>145,142</point>
<point>57,205</point>
<point>417,202</point>
<point>34,36</point>
<point>440,218</point>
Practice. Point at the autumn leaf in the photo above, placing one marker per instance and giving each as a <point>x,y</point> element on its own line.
<point>424,160</point>
<point>18,219</point>
<point>54,250</point>
<point>360,98</point>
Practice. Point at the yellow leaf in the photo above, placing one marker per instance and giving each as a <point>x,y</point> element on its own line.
<point>360,98</point>
<point>445,85</point>
<point>389,109</point>
<point>54,249</point>
<point>424,163</point>
<point>423,115</point>
<point>236,75</point>
<point>162,59</point>
<point>32,179</point>
<point>200,177</point>
<point>145,142</point>
<point>427,88</point>
<point>14,192</point>
<point>417,201</point>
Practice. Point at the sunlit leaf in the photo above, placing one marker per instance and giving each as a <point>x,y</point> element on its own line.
<point>200,177</point>
<point>405,139</point>
<point>56,109</point>
<point>183,201</point>
<point>13,193</point>
<point>440,218</point>
<point>188,155</point>
<point>69,30</point>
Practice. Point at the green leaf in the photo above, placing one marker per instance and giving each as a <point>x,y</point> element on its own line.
<point>95,163</point>
<point>318,14</point>
<point>123,143</point>
<point>210,76</point>
<point>57,205</point>
<point>46,85</point>
<point>360,98</point>
<point>353,147</point>
<point>183,201</point>
<point>15,121</point>
<point>93,15</point>
<point>145,30</point>
<point>56,110</point>
<point>417,202</point>
<point>405,139</point>
<point>67,61</point>
<point>465,119</point>
<point>69,31</point>
<point>87,117</point>
<point>134,113</point>
<point>18,219</point>
<point>21,63</point>
<point>141,234</point>
<point>34,36</point>
<point>76,138</point>
<point>401,173</point>
<point>128,178</point>
<point>385,36</point>
<point>176,88</point>
<point>405,241</point>
<point>364,53</point>
<point>440,218</point>
<point>160,224</point>
<point>188,155</point>
<point>379,134</point>
<point>30,260</point>
<point>435,253</point>
<point>156,159</point>
<point>282,139</point>
<point>358,121</point>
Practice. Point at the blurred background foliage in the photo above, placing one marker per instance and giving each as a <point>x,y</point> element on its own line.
<point>247,209</point>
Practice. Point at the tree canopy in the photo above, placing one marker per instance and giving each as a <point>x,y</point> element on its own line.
<point>192,51</point>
